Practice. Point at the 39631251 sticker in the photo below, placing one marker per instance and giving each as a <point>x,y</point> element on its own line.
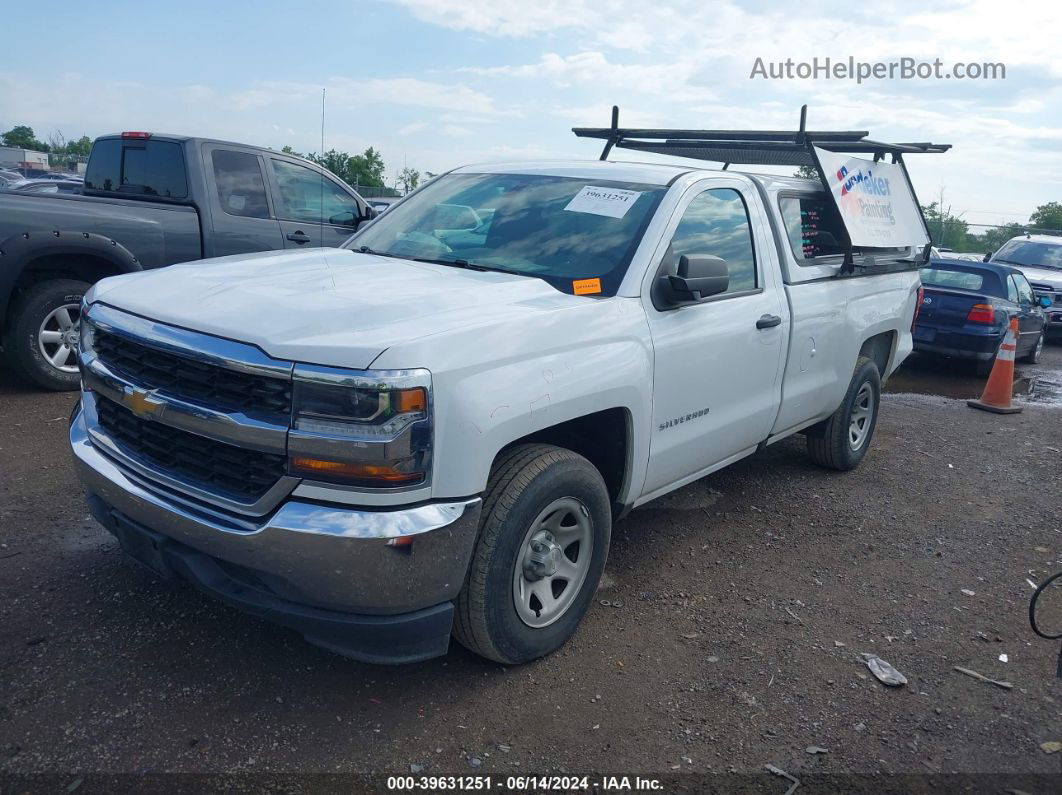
<point>586,286</point>
<point>610,202</point>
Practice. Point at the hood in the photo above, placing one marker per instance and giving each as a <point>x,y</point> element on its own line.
<point>1042,275</point>
<point>326,306</point>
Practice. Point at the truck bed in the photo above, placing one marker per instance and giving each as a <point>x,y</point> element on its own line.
<point>156,233</point>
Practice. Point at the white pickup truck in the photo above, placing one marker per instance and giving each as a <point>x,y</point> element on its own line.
<point>431,430</point>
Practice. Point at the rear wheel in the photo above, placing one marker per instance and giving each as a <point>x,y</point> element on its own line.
<point>841,441</point>
<point>45,328</point>
<point>543,541</point>
<point>1033,356</point>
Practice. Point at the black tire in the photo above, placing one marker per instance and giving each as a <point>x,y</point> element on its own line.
<point>525,481</point>
<point>1033,356</point>
<point>22,342</point>
<point>829,442</point>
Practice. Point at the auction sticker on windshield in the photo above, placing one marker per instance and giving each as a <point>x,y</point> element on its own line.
<point>586,286</point>
<point>612,202</point>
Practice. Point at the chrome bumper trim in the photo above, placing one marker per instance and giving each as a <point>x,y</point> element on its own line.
<point>324,555</point>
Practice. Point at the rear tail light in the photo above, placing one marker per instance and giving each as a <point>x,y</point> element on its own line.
<point>918,307</point>
<point>132,134</point>
<point>981,313</point>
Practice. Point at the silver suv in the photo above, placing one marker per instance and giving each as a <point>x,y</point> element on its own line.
<point>1039,257</point>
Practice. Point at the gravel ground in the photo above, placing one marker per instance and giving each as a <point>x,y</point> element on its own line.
<point>727,635</point>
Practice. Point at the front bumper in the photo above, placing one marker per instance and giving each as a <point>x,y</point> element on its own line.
<point>333,573</point>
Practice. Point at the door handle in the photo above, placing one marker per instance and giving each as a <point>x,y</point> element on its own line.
<point>299,237</point>
<point>768,321</point>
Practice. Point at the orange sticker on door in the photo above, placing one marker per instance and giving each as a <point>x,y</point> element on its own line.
<point>586,286</point>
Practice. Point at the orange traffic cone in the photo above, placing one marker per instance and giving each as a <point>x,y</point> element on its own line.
<point>1000,385</point>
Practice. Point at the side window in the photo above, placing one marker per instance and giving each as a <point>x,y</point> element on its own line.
<point>305,195</point>
<point>241,187</point>
<point>1025,291</point>
<point>1012,291</point>
<point>716,223</point>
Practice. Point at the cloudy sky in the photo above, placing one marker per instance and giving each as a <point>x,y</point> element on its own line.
<point>438,83</point>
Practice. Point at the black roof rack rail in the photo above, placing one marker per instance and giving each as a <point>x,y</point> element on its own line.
<point>763,147</point>
<point>749,147</point>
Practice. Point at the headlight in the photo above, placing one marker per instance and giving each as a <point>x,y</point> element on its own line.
<point>370,429</point>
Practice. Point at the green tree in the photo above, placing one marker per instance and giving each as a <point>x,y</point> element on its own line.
<point>1047,216</point>
<point>22,137</point>
<point>336,162</point>
<point>947,229</point>
<point>994,237</point>
<point>289,151</point>
<point>807,172</point>
<point>368,168</point>
<point>81,147</point>
<point>408,178</point>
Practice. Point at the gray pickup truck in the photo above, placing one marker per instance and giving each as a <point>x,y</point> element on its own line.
<point>150,200</point>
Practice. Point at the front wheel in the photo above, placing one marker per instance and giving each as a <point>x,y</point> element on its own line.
<point>1033,356</point>
<point>841,441</point>
<point>542,546</point>
<point>43,338</point>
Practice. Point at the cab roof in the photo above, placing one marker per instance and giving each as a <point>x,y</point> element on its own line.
<point>662,174</point>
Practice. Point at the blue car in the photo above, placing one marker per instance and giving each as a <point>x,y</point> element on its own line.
<point>967,306</point>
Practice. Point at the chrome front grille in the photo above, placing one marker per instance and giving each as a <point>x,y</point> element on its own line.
<point>195,413</point>
<point>1053,293</point>
<point>197,382</point>
<point>230,471</point>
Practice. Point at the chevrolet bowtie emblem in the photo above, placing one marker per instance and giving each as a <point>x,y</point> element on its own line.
<point>142,403</point>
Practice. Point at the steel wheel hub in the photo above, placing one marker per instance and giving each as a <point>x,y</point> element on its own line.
<point>862,414</point>
<point>553,562</point>
<point>59,336</point>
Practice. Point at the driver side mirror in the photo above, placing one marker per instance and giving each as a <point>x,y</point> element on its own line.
<point>1045,302</point>
<point>345,218</point>
<point>698,278</point>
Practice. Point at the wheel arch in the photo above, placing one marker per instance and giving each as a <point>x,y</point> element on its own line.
<point>603,437</point>
<point>880,349</point>
<point>31,257</point>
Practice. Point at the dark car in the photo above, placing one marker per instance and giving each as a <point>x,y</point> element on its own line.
<point>150,200</point>
<point>967,307</point>
<point>46,186</point>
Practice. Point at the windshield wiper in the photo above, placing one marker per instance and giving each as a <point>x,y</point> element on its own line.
<point>472,266</point>
<point>367,250</point>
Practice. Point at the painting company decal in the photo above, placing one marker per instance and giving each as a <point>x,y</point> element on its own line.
<point>874,200</point>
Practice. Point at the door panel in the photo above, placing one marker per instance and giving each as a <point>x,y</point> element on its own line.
<point>717,363</point>
<point>313,209</point>
<point>1030,315</point>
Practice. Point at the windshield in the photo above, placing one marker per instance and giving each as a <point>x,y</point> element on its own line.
<point>576,234</point>
<point>1032,253</point>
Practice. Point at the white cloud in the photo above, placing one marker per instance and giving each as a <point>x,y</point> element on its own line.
<point>502,17</point>
<point>594,69</point>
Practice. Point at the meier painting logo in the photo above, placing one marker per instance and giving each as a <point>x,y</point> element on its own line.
<point>874,194</point>
<point>874,200</point>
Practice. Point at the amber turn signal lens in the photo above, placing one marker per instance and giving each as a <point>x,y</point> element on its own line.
<point>408,401</point>
<point>362,474</point>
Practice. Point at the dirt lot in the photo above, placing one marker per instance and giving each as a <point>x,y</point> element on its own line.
<point>727,636</point>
